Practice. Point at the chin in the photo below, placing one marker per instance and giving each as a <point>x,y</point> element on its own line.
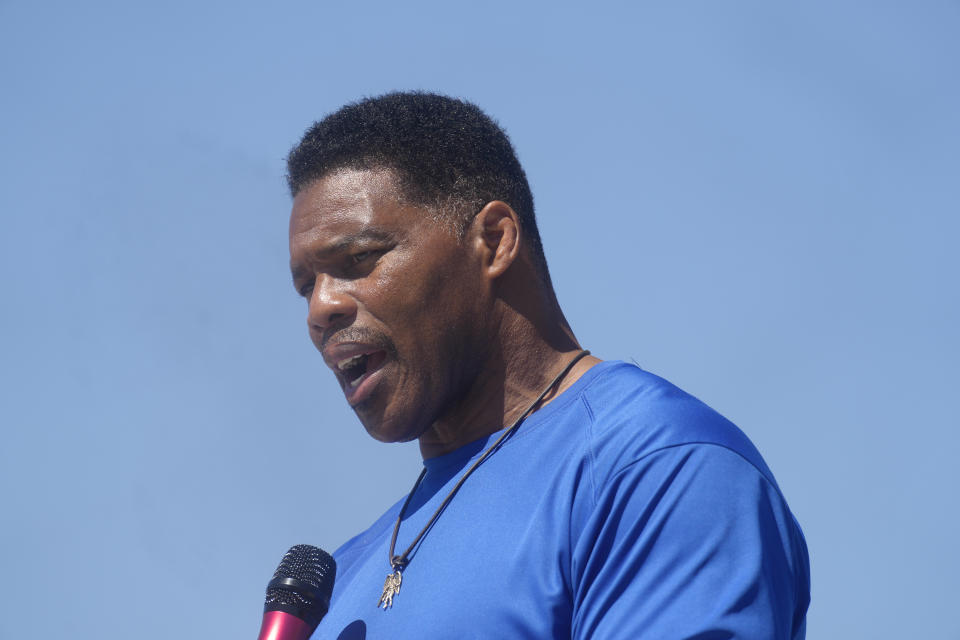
<point>381,435</point>
<point>384,429</point>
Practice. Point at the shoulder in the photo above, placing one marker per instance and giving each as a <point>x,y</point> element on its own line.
<point>634,414</point>
<point>679,496</point>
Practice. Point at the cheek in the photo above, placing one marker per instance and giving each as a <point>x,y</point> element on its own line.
<point>422,289</point>
<point>430,308</point>
<point>451,297</point>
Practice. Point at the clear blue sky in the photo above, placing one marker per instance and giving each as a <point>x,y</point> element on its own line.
<point>758,201</point>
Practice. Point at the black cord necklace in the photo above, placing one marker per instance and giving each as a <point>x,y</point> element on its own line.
<point>391,586</point>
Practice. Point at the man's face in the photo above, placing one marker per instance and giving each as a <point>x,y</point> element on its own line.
<point>395,300</point>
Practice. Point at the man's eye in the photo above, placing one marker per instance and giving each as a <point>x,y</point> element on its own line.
<point>306,291</point>
<point>358,258</point>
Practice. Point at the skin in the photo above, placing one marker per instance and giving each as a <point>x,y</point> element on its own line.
<point>461,333</point>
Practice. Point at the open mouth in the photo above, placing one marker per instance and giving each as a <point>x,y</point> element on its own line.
<point>355,369</point>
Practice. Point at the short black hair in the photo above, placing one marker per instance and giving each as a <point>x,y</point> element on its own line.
<point>447,154</point>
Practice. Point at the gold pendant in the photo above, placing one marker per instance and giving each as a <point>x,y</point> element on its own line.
<point>391,587</point>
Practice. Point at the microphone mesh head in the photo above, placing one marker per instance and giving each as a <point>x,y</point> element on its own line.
<point>309,565</point>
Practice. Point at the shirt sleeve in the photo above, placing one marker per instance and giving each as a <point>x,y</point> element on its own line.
<point>694,542</point>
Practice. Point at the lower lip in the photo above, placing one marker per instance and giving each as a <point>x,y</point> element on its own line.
<point>356,395</point>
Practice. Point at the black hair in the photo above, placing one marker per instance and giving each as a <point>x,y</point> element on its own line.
<point>447,154</point>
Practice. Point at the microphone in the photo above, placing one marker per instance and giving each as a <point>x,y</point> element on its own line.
<point>298,596</point>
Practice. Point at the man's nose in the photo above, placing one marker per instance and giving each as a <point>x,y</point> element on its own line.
<point>330,304</point>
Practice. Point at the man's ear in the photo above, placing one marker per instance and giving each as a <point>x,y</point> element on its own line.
<point>496,234</point>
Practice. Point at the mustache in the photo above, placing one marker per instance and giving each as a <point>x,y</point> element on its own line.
<point>363,335</point>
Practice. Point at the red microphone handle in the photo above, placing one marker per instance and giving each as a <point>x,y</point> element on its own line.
<point>279,625</point>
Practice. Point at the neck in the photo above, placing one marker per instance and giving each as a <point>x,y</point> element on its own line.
<point>513,376</point>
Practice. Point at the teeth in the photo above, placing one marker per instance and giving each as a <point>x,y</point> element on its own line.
<point>354,384</point>
<point>349,362</point>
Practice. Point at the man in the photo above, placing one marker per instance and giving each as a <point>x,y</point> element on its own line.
<point>562,496</point>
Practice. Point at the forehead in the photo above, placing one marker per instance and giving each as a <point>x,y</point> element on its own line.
<point>347,199</point>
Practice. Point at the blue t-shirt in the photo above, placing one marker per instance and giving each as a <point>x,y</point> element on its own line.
<point>625,508</point>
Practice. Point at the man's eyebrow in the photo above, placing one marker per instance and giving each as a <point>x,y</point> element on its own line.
<point>342,244</point>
